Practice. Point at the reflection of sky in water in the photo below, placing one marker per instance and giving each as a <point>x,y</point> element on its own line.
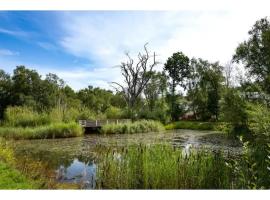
<point>72,158</point>
<point>79,173</point>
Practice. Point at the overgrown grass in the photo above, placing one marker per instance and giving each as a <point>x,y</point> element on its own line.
<point>162,167</point>
<point>12,179</point>
<point>195,125</point>
<point>24,117</point>
<point>59,130</point>
<point>142,126</point>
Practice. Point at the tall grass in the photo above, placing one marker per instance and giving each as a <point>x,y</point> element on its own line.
<point>57,130</point>
<point>141,126</point>
<point>162,167</point>
<point>24,116</point>
<point>195,125</point>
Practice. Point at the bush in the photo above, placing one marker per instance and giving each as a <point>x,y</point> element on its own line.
<point>113,113</point>
<point>141,126</point>
<point>58,130</point>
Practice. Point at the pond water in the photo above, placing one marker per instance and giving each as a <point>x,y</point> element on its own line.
<point>75,160</point>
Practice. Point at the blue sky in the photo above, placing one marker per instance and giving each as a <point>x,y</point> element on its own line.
<point>84,48</point>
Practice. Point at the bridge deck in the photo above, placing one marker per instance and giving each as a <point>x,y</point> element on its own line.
<point>100,123</point>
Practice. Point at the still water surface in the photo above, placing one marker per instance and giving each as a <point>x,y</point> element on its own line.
<point>74,160</point>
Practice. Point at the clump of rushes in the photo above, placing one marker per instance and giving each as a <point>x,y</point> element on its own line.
<point>162,167</point>
<point>58,130</point>
<point>142,126</point>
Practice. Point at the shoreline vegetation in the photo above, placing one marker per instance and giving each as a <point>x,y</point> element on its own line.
<point>57,130</point>
<point>142,126</point>
<point>161,166</point>
<point>198,125</point>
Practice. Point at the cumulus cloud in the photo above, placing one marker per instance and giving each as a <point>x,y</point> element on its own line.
<point>103,36</point>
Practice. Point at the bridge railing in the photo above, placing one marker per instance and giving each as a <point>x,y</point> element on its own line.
<point>99,123</point>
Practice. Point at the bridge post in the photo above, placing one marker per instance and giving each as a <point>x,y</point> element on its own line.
<point>107,121</point>
<point>117,121</point>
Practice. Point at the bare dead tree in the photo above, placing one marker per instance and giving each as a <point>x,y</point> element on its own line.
<point>136,76</point>
<point>228,70</point>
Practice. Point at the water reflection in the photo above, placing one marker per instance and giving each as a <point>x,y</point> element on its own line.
<point>75,160</point>
<point>78,172</point>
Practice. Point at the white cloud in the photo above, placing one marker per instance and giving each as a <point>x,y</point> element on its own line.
<point>77,78</point>
<point>47,46</point>
<point>17,33</point>
<point>103,37</point>
<point>7,52</point>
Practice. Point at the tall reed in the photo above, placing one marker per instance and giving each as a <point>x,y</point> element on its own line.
<point>142,126</point>
<point>162,167</point>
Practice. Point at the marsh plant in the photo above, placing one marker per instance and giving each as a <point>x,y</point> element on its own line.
<point>142,126</point>
<point>162,167</point>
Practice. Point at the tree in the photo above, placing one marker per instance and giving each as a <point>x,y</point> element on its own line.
<point>255,53</point>
<point>136,77</point>
<point>178,69</point>
<point>155,88</point>
<point>204,88</point>
<point>5,91</point>
<point>26,86</point>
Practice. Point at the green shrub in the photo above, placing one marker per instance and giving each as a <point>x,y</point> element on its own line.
<point>141,126</point>
<point>113,113</point>
<point>58,130</point>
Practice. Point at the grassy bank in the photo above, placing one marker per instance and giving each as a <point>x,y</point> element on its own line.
<point>195,125</point>
<point>142,126</point>
<point>11,178</point>
<point>163,167</point>
<point>58,130</point>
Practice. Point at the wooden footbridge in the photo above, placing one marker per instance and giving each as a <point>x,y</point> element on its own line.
<point>100,123</point>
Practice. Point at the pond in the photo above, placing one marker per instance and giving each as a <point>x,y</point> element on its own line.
<point>75,160</point>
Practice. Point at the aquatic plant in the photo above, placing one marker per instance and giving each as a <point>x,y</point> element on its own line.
<point>142,126</point>
<point>57,130</point>
<point>196,125</point>
<point>162,167</point>
<point>25,117</point>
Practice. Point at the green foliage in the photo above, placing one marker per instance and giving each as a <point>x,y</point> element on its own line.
<point>162,167</point>
<point>5,91</point>
<point>195,125</point>
<point>24,116</point>
<point>12,179</point>
<point>259,143</point>
<point>57,130</point>
<point>204,88</point>
<point>114,113</point>
<point>234,110</point>
<point>178,69</point>
<point>142,126</point>
<point>255,53</point>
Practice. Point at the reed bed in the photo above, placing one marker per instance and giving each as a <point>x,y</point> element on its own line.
<point>142,126</point>
<point>57,130</point>
<point>162,167</point>
<point>195,125</point>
